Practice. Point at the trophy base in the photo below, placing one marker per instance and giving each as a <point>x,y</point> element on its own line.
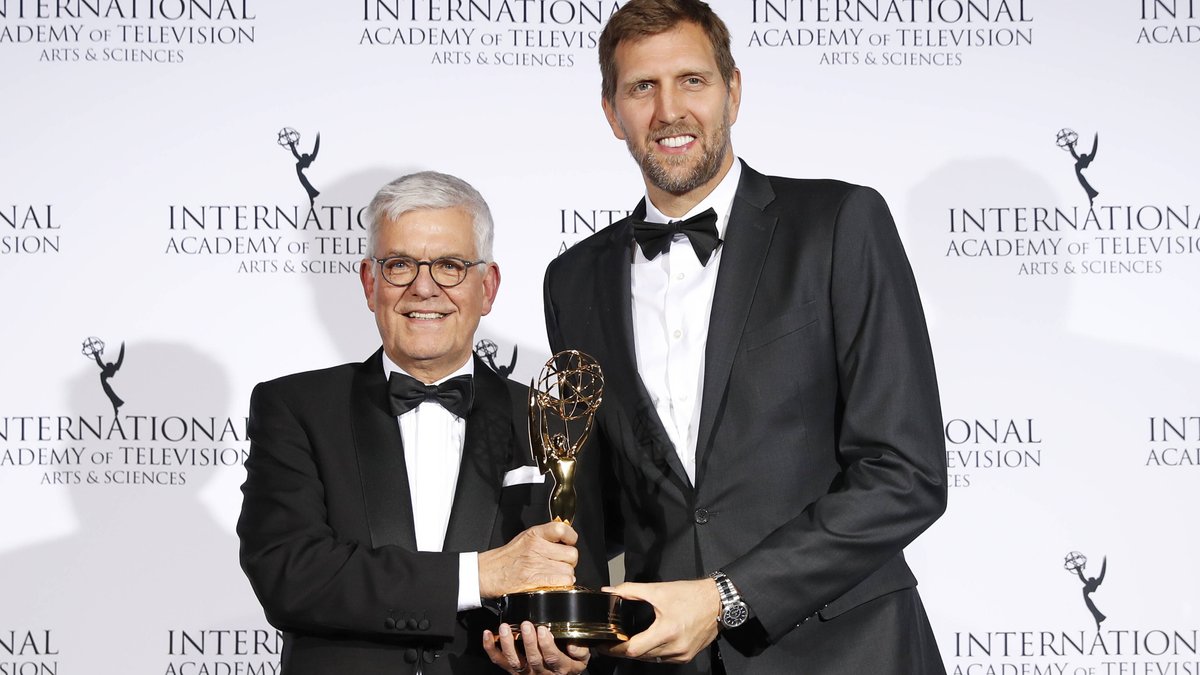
<point>570,613</point>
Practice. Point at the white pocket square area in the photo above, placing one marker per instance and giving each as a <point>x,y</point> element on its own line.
<point>524,475</point>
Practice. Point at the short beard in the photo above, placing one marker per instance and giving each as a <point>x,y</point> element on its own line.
<point>709,165</point>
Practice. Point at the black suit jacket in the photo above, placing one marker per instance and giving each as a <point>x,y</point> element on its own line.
<point>820,451</point>
<point>327,535</point>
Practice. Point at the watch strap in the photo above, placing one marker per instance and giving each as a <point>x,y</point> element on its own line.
<point>733,609</point>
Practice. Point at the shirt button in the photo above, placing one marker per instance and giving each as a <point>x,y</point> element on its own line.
<point>701,516</point>
<point>677,334</point>
<point>680,276</point>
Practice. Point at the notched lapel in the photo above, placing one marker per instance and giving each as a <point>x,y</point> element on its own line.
<point>486,449</point>
<point>616,264</point>
<point>381,466</point>
<point>616,308</point>
<point>747,239</point>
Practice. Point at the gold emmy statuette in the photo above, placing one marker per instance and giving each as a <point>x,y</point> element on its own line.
<point>562,406</point>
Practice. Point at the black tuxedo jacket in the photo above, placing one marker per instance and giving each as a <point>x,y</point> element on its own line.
<point>820,451</point>
<point>327,535</point>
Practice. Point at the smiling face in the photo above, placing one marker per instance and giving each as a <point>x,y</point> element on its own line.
<point>674,111</point>
<point>428,330</point>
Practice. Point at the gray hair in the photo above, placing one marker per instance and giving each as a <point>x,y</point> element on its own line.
<point>430,190</point>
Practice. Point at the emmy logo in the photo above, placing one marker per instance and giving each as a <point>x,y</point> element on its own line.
<point>289,138</point>
<point>487,350</point>
<point>1066,140</point>
<point>562,406</point>
<point>1076,562</point>
<point>93,348</point>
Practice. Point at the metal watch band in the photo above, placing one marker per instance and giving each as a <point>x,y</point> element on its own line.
<point>734,611</point>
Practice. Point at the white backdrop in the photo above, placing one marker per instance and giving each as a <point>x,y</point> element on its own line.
<point>145,201</point>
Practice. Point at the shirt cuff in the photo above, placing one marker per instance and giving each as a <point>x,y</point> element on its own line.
<point>468,581</point>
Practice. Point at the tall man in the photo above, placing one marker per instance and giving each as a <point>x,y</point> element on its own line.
<point>379,496</point>
<point>772,413</point>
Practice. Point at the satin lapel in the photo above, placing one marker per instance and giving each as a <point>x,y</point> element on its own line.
<point>486,454</point>
<point>747,238</point>
<point>615,264</point>
<point>381,465</point>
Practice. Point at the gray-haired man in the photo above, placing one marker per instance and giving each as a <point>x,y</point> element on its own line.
<point>380,495</point>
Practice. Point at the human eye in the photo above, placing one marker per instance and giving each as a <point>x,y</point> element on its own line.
<point>451,265</point>
<point>641,88</point>
<point>399,265</point>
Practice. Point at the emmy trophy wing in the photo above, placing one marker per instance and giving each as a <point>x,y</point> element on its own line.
<point>1103,569</point>
<point>120,357</point>
<point>537,447</point>
<point>513,364</point>
<point>316,147</point>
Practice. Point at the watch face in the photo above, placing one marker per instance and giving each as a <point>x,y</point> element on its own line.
<point>735,615</point>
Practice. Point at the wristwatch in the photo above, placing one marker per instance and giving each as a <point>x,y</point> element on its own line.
<point>734,612</point>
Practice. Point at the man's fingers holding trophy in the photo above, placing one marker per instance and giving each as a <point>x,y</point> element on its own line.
<point>543,556</point>
<point>538,653</point>
<point>502,650</point>
<point>685,620</point>
<point>556,531</point>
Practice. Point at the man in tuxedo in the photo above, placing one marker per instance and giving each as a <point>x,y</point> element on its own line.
<point>385,502</point>
<point>772,414</point>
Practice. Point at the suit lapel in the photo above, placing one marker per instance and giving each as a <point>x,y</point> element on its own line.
<point>615,263</point>
<point>486,449</point>
<point>381,464</point>
<point>747,238</point>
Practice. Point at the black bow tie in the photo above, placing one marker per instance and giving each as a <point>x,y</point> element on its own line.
<point>406,393</point>
<point>700,229</point>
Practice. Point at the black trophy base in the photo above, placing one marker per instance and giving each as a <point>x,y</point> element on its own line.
<point>570,613</point>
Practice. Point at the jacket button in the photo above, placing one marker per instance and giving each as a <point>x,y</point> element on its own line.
<point>428,656</point>
<point>423,624</point>
<point>411,624</point>
<point>701,516</point>
<point>410,655</point>
<point>389,623</point>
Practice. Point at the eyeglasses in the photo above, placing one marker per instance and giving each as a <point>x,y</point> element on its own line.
<point>445,272</point>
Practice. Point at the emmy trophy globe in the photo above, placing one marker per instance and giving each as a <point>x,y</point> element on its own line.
<point>287,136</point>
<point>1066,138</point>
<point>92,347</point>
<point>562,407</point>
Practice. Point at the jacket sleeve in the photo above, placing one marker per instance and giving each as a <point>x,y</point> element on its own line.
<point>888,429</point>
<point>311,578</point>
<point>599,476</point>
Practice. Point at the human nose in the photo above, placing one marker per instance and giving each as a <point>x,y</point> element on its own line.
<point>423,285</point>
<point>669,105</point>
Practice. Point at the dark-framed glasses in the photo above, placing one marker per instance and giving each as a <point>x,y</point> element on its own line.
<point>446,272</point>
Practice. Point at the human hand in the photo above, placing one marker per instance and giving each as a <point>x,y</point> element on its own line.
<point>542,556</point>
<point>685,620</point>
<point>541,654</point>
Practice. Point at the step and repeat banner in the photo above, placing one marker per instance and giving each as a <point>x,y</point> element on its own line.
<point>182,185</point>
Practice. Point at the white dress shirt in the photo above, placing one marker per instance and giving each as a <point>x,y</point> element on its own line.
<point>433,446</point>
<point>672,299</point>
